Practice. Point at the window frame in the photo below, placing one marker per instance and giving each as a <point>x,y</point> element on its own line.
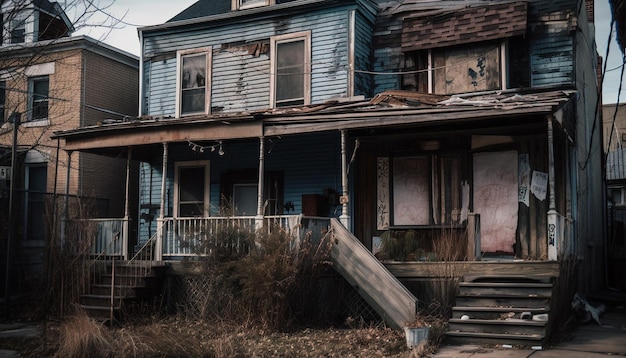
<point>438,213</point>
<point>207,185</point>
<point>180,55</point>
<point>34,103</point>
<point>427,56</point>
<point>239,4</point>
<point>304,36</point>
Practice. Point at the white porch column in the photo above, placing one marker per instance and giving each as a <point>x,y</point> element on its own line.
<point>126,206</point>
<point>259,210</point>
<point>553,218</point>
<point>344,218</point>
<point>158,254</point>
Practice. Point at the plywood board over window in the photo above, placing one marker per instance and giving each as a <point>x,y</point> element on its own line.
<point>411,191</point>
<point>467,69</point>
<point>495,199</point>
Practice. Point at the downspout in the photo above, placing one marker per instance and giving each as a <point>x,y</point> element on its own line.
<point>66,201</point>
<point>158,256</point>
<point>127,206</point>
<point>259,209</point>
<point>344,218</point>
<point>554,229</point>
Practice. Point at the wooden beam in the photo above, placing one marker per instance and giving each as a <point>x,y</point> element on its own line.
<point>166,134</point>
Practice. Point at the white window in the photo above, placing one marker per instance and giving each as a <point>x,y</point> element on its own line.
<point>290,70</point>
<point>193,82</point>
<point>247,4</point>
<point>191,194</point>
<point>18,28</point>
<point>38,92</point>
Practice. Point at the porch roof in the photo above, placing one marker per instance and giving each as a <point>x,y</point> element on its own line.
<point>386,110</point>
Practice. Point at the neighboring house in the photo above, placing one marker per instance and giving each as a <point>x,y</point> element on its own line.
<point>395,115</point>
<point>50,81</point>
<point>614,130</point>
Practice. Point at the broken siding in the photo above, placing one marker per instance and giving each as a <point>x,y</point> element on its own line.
<point>240,76</point>
<point>552,61</point>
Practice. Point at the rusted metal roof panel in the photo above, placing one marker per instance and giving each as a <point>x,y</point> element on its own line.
<point>474,24</point>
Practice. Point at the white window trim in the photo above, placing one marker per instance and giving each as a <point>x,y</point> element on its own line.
<point>236,4</point>
<point>207,183</point>
<point>297,36</point>
<point>207,95</point>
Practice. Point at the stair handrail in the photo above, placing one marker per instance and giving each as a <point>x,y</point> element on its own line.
<point>140,270</point>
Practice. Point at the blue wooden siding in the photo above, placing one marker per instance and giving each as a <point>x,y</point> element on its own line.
<point>240,78</point>
<point>161,99</point>
<point>310,163</point>
<point>552,60</point>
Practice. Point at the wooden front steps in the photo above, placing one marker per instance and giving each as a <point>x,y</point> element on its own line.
<point>371,279</point>
<point>130,283</point>
<point>510,310</point>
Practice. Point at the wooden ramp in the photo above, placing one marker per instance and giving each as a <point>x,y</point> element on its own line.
<point>380,289</point>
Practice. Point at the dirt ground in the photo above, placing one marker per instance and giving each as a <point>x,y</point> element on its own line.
<point>176,337</point>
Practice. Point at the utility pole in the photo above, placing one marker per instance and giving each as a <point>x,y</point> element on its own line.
<point>15,119</point>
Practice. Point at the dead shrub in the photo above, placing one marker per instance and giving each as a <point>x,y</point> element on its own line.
<point>79,336</point>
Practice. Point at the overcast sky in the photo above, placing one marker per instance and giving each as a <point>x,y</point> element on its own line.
<point>138,13</point>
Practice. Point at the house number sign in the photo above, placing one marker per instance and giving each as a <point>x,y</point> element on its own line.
<point>5,172</point>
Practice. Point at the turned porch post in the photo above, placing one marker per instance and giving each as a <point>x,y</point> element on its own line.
<point>553,217</point>
<point>158,255</point>
<point>344,218</point>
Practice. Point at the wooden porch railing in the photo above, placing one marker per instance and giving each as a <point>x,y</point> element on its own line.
<point>183,237</point>
<point>109,237</point>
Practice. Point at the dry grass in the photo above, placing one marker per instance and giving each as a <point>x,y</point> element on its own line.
<point>174,336</point>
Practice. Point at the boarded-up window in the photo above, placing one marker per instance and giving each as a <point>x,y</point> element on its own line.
<point>426,190</point>
<point>467,68</point>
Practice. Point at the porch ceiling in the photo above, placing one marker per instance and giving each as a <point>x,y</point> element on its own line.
<point>389,110</point>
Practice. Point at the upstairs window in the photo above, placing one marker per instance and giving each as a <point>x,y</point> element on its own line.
<point>38,90</point>
<point>18,28</point>
<point>247,4</point>
<point>291,70</point>
<point>193,82</point>
<point>468,68</point>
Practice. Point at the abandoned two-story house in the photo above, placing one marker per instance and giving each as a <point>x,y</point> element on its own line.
<point>50,81</point>
<point>384,116</point>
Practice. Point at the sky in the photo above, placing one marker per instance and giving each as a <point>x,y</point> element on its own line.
<point>138,13</point>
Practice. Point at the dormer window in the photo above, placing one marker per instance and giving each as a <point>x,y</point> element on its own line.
<point>480,48</point>
<point>247,4</point>
<point>18,28</point>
